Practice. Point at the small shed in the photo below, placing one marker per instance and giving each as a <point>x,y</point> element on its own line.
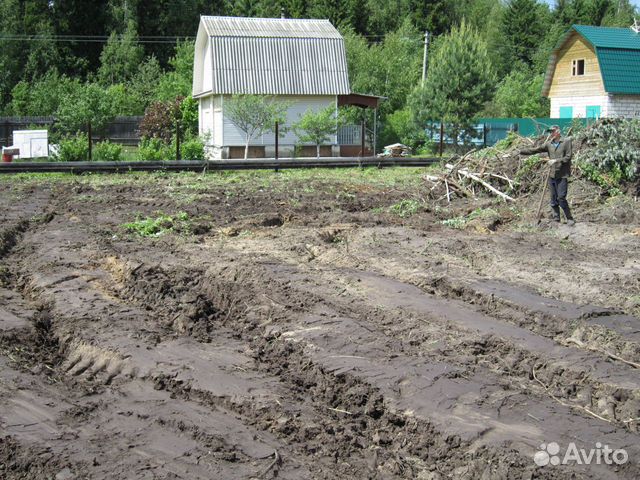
<point>299,61</point>
<point>595,72</point>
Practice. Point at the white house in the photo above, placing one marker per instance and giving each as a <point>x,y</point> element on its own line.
<point>595,72</point>
<point>299,61</point>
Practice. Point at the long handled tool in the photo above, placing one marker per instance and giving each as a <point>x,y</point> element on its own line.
<point>544,191</point>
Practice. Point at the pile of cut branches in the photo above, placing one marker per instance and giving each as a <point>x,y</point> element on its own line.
<point>498,171</point>
<point>605,154</point>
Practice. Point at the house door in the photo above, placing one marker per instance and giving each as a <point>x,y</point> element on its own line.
<point>566,112</point>
<point>593,112</point>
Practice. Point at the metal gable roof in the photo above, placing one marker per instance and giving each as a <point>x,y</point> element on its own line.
<point>269,27</point>
<point>606,37</point>
<point>620,70</point>
<point>274,56</point>
<point>618,52</point>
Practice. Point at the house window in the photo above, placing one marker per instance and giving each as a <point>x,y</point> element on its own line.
<point>566,112</point>
<point>577,67</point>
<point>593,111</point>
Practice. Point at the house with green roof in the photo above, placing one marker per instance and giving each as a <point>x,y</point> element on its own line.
<point>595,72</point>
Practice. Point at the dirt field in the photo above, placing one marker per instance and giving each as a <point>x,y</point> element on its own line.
<point>313,324</point>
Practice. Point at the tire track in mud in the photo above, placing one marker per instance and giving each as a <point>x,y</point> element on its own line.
<point>86,358</point>
<point>585,326</point>
<point>325,447</point>
<point>304,356</point>
<point>342,417</point>
<point>602,333</point>
<point>588,381</point>
<point>350,398</point>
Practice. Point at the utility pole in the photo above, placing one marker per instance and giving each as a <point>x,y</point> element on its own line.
<point>425,58</point>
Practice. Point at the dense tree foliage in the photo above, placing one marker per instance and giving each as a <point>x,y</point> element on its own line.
<point>133,53</point>
<point>460,81</point>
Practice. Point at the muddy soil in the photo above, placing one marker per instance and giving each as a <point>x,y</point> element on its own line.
<point>315,325</point>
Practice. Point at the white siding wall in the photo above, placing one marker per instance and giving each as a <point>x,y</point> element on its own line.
<point>206,118</point>
<point>232,136</point>
<point>218,124</point>
<point>207,80</point>
<point>580,105</point>
<point>625,106</point>
<point>202,41</point>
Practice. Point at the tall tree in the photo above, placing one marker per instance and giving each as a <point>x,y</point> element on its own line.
<point>521,33</point>
<point>621,14</point>
<point>461,79</point>
<point>436,16</point>
<point>244,8</point>
<point>11,51</point>
<point>391,68</point>
<point>173,18</point>
<point>294,8</point>
<point>121,57</point>
<point>79,18</point>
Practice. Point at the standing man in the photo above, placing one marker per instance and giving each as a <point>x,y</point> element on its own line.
<point>560,152</point>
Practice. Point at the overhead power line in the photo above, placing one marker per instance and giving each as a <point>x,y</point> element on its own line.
<point>91,38</point>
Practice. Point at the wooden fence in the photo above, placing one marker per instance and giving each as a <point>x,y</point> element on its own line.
<point>123,130</point>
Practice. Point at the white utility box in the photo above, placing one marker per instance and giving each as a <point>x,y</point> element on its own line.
<point>32,143</point>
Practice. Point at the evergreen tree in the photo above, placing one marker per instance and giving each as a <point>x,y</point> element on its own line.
<point>144,85</point>
<point>80,18</point>
<point>461,80</point>
<point>244,8</point>
<point>294,8</point>
<point>621,14</point>
<point>386,16</point>
<point>11,51</point>
<point>521,33</point>
<point>43,56</point>
<point>329,9</point>
<point>435,16</point>
<point>597,11</point>
<point>121,57</point>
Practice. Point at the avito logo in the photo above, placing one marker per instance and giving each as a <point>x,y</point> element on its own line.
<point>549,454</point>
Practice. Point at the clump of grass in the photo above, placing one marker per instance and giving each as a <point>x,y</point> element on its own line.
<point>405,208</point>
<point>456,222</point>
<point>460,222</point>
<point>160,225</point>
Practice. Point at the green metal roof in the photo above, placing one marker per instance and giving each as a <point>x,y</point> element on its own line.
<point>620,70</point>
<point>618,52</point>
<point>606,37</point>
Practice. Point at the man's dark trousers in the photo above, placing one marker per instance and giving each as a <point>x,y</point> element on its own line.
<point>558,189</point>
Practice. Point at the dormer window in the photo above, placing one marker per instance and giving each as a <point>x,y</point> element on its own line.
<point>577,68</point>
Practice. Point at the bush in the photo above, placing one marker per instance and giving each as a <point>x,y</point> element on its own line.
<point>614,149</point>
<point>160,120</point>
<point>107,152</point>
<point>154,149</point>
<point>400,127</point>
<point>189,113</point>
<point>192,149</point>
<point>73,149</point>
